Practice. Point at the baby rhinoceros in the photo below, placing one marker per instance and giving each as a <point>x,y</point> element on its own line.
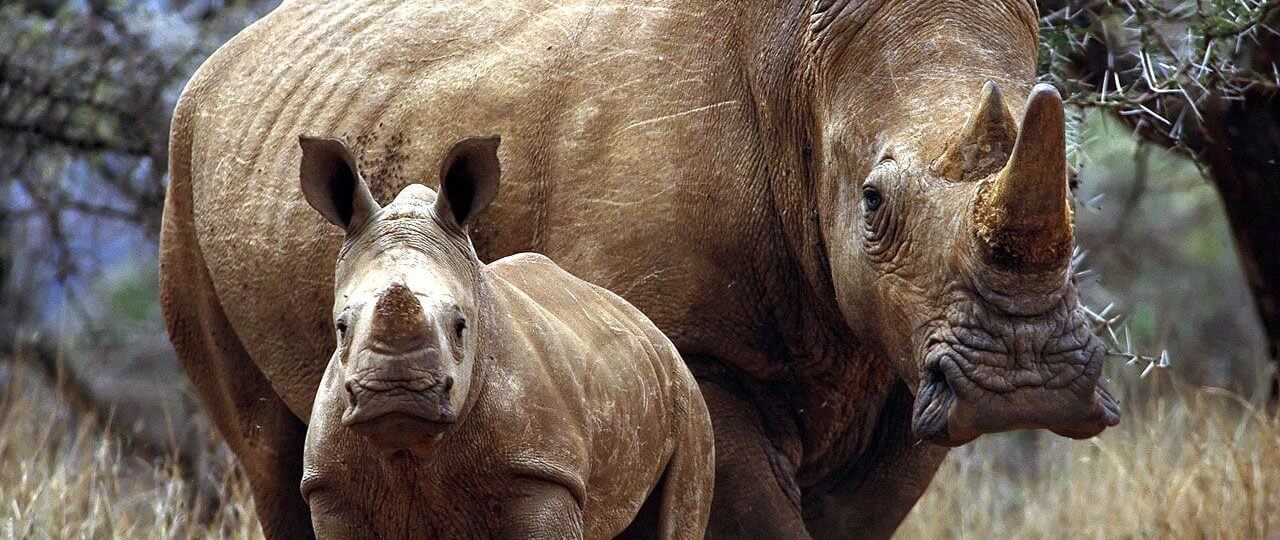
<point>468,400</point>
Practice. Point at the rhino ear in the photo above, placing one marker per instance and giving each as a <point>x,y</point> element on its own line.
<point>332,184</point>
<point>469,176</point>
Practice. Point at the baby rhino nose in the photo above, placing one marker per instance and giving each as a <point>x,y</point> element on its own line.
<point>399,323</point>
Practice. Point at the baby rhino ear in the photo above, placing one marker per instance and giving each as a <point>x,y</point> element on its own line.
<point>469,178</point>
<point>332,184</point>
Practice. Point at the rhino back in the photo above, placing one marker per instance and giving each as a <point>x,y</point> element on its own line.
<point>607,114</point>
<point>602,389</point>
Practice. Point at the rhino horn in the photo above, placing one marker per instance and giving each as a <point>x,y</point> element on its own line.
<point>399,323</point>
<point>983,144</point>
<point>1022,217</point>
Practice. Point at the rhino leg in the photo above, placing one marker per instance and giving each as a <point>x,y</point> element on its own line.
<point>541,510</point>
<point>690,478</point>
<point>755,492</point>
<point>265,436</point>
<point>871,496</point>
<point>680,505</point>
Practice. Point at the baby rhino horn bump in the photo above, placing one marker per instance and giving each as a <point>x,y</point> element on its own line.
<point>1022,219</point>
<point>399,323</point>
<point>983,144</point>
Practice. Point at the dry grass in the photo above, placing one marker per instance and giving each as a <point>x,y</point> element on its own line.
<point>1187,462</point>
<point>62,477</point>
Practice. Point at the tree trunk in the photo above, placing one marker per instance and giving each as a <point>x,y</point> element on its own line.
<point>1243,156</point>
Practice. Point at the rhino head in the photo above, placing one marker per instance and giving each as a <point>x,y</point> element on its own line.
<point>958,267</point>
<point>406,306</point>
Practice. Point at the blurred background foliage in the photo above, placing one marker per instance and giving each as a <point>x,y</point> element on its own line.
<point>1175,133</point>
<point>1159,247</point>
<point>86,93</point>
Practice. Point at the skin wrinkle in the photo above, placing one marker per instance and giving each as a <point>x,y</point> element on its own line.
<point>848,21</point>
<point>275,121</point>
<point>1048,372</point>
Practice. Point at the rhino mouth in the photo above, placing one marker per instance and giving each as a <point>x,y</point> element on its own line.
<point>975,382</point>
<point>398,414</point>
<point>934,401</point>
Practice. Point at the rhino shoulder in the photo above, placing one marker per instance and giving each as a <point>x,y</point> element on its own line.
<point>541,278</point>
<point>595,309</point>
<point>527,258</point>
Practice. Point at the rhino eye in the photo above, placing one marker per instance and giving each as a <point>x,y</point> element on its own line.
<point>459,326</point>
<point>878,219</point>
<point>871,200</point>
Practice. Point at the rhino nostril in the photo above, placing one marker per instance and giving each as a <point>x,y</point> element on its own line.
<point>447,382</point>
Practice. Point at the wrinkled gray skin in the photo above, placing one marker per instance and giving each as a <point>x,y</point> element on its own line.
<point>467,400</point>
<point>814,199</point>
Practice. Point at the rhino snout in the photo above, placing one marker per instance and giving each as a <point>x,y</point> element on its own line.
<point>952,408</point>
<point>1017,374</point>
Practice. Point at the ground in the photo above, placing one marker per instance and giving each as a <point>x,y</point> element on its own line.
<point>1187,462</point>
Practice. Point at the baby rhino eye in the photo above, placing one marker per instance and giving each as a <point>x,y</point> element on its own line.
<point>341,322</point>
<point>459,322</point>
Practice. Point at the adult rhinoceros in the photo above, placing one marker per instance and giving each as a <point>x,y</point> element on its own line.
<point>819,201</point>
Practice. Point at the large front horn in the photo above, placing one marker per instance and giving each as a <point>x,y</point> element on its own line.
<point>399,324</point>
<point>1022,219</point>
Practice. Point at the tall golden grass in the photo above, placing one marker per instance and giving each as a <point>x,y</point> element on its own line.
<point>62,476</point>
<point>1187,463</point>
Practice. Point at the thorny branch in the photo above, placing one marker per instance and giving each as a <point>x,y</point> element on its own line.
<point>1109,326</point>
<point>1163,66</point>
<point>86,93</point>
